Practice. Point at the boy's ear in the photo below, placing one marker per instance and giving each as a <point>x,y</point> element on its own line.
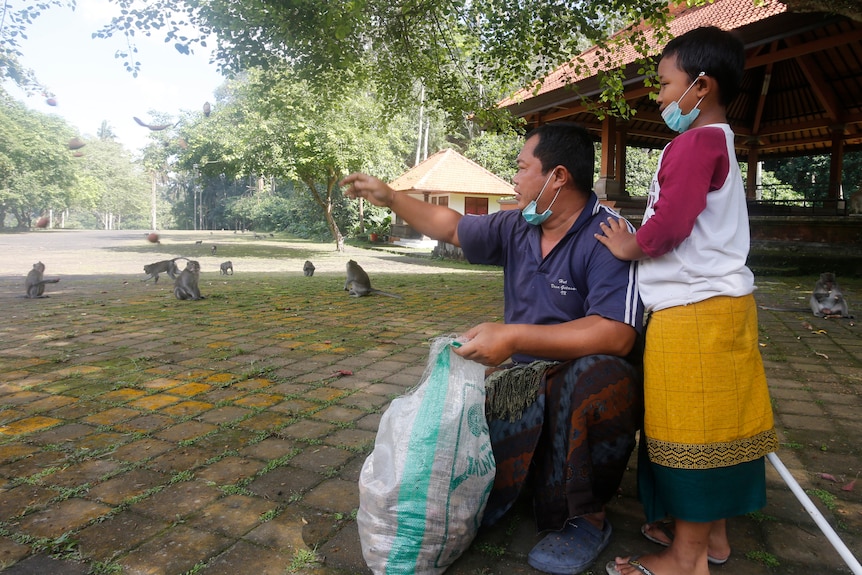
<point>705,85</point>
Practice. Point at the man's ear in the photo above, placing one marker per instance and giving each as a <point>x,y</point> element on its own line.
<point>561,178</point>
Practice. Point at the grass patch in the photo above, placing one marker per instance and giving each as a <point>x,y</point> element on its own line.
<point>302,559</point>
<point>764,558</point>
<point>828,500</point>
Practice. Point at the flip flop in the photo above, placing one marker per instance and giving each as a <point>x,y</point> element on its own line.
<point>611,567</point>
<point>663,526</point>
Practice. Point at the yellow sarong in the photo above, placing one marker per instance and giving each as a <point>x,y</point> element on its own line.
<point>705,394</point>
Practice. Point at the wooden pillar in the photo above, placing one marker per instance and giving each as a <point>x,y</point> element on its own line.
<point>607,186</point>
<point>751,179</point>
<point>836,163</point>
<point>606,170</point>
<point>621,145</point>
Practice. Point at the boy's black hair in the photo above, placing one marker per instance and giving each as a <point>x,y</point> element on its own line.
<point>569,145</point>
<point>712,50</point>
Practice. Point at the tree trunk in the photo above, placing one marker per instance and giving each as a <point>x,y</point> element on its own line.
<point>326,205</point>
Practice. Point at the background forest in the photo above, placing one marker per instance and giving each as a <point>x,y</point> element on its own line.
<point>267,158</point>
<point>372,90</point>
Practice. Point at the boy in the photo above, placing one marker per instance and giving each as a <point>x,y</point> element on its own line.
<point>708,421</point>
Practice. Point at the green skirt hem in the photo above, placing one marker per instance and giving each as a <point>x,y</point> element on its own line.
<point>700,495</point>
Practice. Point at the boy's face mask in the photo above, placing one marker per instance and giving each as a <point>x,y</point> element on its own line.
<point>673,116</point>
<point>529,212</point>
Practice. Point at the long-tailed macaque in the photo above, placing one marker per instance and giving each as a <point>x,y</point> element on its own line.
<point>186,284</point>
<point>854,206</point>
<point>308,268</point>
<point>358,284</point>
<point>35,282</point>
<point>827,299</point>
<point>165,266</point>
<point>224,267</point>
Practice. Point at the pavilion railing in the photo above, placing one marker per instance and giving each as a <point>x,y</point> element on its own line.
<point>785,200</point>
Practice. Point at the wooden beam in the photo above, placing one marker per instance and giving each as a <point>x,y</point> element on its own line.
<point>820,123</point>
<point>802,49</point>
<point>822,91</point>
<point>761,100</point>
<point>564,112</point>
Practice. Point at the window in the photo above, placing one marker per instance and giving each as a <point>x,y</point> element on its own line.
<point>476,206</point>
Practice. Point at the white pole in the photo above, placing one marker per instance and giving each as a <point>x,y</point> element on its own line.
<point>815,514</point>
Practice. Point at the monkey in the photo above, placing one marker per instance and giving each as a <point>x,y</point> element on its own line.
<point>358,284</point>
<point>308,268</point>
<point>224,267</point>
<point>854,205</point>
<point>35,282</point>
<point>153,127</point>
<point>199,242</point>
<point>165,266</point>
<point>213,250</point>
<point>186,285</point>
<point>827,300</point>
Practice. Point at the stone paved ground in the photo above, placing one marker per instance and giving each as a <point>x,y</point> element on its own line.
<point>143,435</point>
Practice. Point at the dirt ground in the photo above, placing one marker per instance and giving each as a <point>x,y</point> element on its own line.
<point>85,252</point>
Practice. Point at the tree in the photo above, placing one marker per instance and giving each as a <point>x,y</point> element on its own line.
<point>36,164</point>
<point>641,165</point>
<point>105,131</point>
<point>496,152</point>
<point>111,186</point>
<point>466,54</point>
<point>273,124</point>
<point>808,176</point>
<point>15,18</point>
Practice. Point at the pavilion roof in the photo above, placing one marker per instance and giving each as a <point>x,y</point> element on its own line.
<point>447,171</point>
<point>801,90</point>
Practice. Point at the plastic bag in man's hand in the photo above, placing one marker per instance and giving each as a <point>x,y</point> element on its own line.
<point>423,489</point>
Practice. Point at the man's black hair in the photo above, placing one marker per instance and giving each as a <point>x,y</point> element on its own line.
<point>569,145</point>
<point>712,50</point>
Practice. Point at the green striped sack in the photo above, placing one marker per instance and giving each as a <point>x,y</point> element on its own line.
<point>423,488</point>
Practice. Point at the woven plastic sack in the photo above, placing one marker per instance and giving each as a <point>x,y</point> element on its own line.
<point>423,488</point>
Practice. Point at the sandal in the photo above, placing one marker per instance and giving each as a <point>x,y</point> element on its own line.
<point>611,567</point>
<point>665,526</point>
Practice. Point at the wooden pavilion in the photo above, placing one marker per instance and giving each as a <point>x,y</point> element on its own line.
<point>449,179</point>
<point>801,92</point>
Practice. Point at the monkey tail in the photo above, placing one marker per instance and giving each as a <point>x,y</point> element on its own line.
<point>386,293</point>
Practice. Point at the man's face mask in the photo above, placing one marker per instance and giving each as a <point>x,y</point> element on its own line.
<point>529,212</point>
<point>673,116</point>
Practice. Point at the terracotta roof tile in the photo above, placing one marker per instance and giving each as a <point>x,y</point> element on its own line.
<point>726,14</point>
<point>448,171</point>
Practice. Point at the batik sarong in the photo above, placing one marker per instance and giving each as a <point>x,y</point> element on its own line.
<point>572,444</point>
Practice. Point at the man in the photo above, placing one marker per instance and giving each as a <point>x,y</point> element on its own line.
<point>563,415</point>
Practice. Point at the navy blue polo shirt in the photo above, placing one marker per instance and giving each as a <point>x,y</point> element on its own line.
<point>578,278</point>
